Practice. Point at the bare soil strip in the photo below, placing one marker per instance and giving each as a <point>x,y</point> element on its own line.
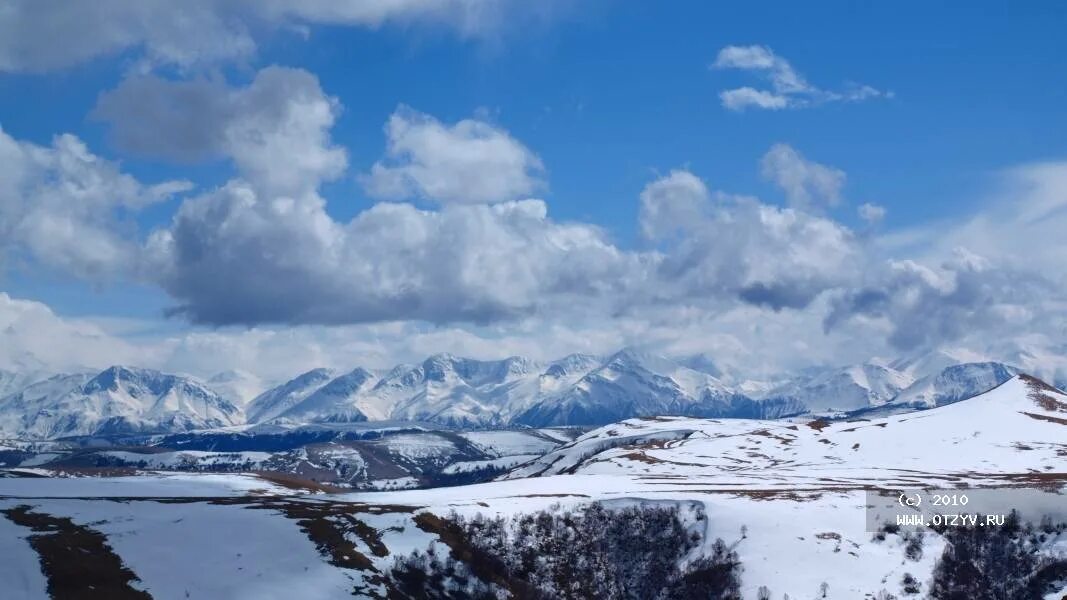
<point>76,560</point>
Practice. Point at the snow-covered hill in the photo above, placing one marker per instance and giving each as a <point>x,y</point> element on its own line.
<point>1013,430</point>
<point>116,400</point>
<point>790,497</point>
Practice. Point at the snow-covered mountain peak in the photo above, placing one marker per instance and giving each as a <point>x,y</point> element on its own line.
<point>954,383</point>
<point>272,403</point>
<point>578,389</point>
<point>138,382</point>
<point>118,399</point>
<point>927,362</point>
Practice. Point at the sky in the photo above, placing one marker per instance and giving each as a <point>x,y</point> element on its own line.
<point>274,186</point>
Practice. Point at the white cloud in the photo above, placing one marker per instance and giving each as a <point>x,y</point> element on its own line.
<point>397,280</point>
<point>745,340</point>
<point>806,183</point>
<point>671,204</point>
<point>726,248</point>
<point>33,338</point>
<point>275,129</point>
<point>64,208</point>
<point>923,306</point>
<point>236,256</point>
<point>42,35</point>
<point>781,74</point>
<point>987,279</point>
<point>744,97</point>
<point>1020,224</point>
<point>789,89</point>
<point>233,256</point>
<point>871,213</point>
<point>470,162</point>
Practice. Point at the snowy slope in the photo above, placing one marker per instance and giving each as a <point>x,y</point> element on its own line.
<point>12,382</point>
<point>1015,429</point>
<point>789,498</point>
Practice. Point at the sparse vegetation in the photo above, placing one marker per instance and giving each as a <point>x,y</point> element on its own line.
<point>631,553</point>
<point>996,563</point>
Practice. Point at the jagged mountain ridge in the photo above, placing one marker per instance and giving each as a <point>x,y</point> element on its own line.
<point>116,400</point>
<point>586,390</point>
<point>579,389</point>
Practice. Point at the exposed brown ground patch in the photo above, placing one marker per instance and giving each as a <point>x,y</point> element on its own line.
<point>766,433</point>
<point>294,482</point>
<point>76,560</point>
<point>652,460</point>
<point>818,424</point>
<point>1040,393</point>
<point>1045,418</point>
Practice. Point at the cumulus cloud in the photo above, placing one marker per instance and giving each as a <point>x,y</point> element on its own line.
<point>924,306</point>
<point>993,276</point>
<point>41,35</point>
<point>470,162</point>
<point>737,248</point>
<point>235,257</point>
<point>806,183</point>
<point>262,249</point>
<point>275,129</point>
<point>62,207</point>
<point>671,204</point>
<point>789,89</point>
<point>33,338</point>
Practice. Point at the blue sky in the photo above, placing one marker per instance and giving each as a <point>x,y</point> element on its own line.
<point>610,96</point>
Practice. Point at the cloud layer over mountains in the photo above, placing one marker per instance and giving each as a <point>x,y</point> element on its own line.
<point>460,253</point>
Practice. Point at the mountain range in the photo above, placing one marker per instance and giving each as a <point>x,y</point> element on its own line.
<point>577,390</point>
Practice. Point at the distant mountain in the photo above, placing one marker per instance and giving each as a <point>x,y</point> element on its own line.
<point>334,402</point>
<point>954,383</point>
<point>577,390</point>
<point>276,401</point>
<point>237,386</point>
<point>116,400</point>
<point>632,383</point>
<point>847,388</point>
